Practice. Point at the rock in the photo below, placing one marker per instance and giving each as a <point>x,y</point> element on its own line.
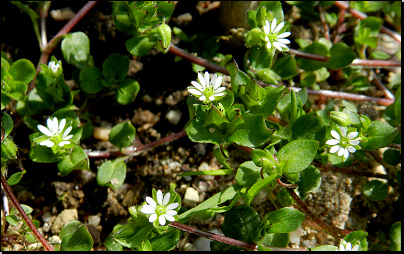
<point>191,197</point>
<point>102,133</point>
<point>203,244</point>
<point>173,116</point>
<point>64,217</point>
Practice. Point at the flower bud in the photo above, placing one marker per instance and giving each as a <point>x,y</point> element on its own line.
<point>340,118</point>
<point>164,32</point>
<point>53,67</point>
<point>365,121</point>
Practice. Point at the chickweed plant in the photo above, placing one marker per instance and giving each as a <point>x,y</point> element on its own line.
<point>289,105</point>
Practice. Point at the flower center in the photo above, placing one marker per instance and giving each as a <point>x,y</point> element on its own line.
<point>160,210</point>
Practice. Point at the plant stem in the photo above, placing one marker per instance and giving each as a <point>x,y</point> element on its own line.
<point>324,23</point>
<point>215,237</point>
<point>360,15</point>
<point>330,230</point>
<point>24,215</point>
<point>135,150</point>
<point>48,49</point>
<point>382,87</point>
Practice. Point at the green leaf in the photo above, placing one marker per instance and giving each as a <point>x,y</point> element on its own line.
<point>375,190</point>
<point>392,157</point>
<point>269,102</point>
<point>22,70</point>
<point>258,186</point>
<point>112,173</point>
<point>253,37</point>
<point>140,45</point>
<point>76,159</point>
<point>248,174</point>
<point>80,240</point>
<point>115,67</point>
<point>8,149</point>
<point>6,125</point>
<point>252,133</point>
<point>15,178</point>
<point>284,220</point>
<point>274,240</point>
<point>12,220</point>
<point>164,32</point>
<point>310,179</point>
<point>91,80</point>
<point>122,134</point>
<point>166,8</point>
<point>127,91</point>
<point>356,236</point>
<point>275,7</point>
<point>76,49</point>
<point>111,245</point>
<point>217,199</point>
<point>367,31</point>
<point>137,239</point>
<point>70,228</point>
<point>324,248</point>
<point>166,241</point>
<point>286,67</point>
<point>241,223</point>
<point>379,135</point>
<point>197,133</point>
<point>341,56</point>
<point>43,154</point>
<point>395,237</point>
<point>309,126</point>
<point>297,155</point>
<point>379,55</point>
<point>312,65</point>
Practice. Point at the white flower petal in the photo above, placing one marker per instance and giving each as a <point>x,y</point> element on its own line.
<point>284,35</point>
<point>353,135</point>
<point>211,98</point>
<point>213,80</point>
<point>67,131</point>
<point>266,38</point>
<point>341,151</point>
<point>152,217</point>
<point>201,81</point>
<point>61,144</point>
<point>348,246</point>
<point>273,25</point>
<point>171,212</point>
<point>197,85</point>
<point>269,45</point>
<point>54,126</point>
<point>334,149</point>
<point>351,149</point>
<point>283,41</point>
<point>266,27</point>
<point>148,209</point>
<point>194,91</point>
<point>44,130</point>
<point>217,83</point>
<point>206,79</point>
<point>172,206</point>
<point>169,217</point>
<point>346,153</point>
<point>355,248</point>
<point>354,142</point>
<point>278,45</point>
<point>68,137</point>
<point>220,89</point>
<point>159,197</point>
<point>343,131</point>
<point>62,125</point>
<point>151,202</point>
<point>279,27</point>
<point>162,220</point>
<point>219,94</point>
<point>332,142</point>
<point>202,98</point>
<point>47,143</point>
<point>335,135</point>
<point>166,199</point>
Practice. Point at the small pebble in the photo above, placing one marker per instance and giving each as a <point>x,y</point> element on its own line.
<point>173,116</point>
<point>191,197</point>
<point>102,133</point>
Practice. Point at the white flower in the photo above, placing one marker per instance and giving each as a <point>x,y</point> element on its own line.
<point>343,145</point>
<point>54,132</point>
<point>207,91</point>
<point>344,246</point>
<point>54,67</point>
<point>273,38</point>
<point>160,210</point>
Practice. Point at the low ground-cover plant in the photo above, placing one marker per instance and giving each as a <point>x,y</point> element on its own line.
<point>266,111</point>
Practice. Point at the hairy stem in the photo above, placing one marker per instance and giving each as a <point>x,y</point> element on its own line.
<point>23,214</point>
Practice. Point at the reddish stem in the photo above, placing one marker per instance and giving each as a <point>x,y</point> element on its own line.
<point>360,15</point>
<point>215,237</point>
<point>382,87</point>
<point>50,47</point>
<point>24,215</point>
<point>324,23</point>
<point>138,149</point>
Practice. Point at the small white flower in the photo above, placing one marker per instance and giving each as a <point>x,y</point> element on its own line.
<point>344,246</point>
<point>343,145</point>
<point>273,38</point>
<point>160,209</point>
<point>54,67</point>
<point>207,91</point>
<point>54,132</point>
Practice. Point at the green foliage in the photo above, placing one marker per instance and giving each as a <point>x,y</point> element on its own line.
<point>122,134</point>
<point>76,49</point>
<point>75,237</point>
<point>375,190</point>
<point>395,237</point>
<point>112,173</point>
